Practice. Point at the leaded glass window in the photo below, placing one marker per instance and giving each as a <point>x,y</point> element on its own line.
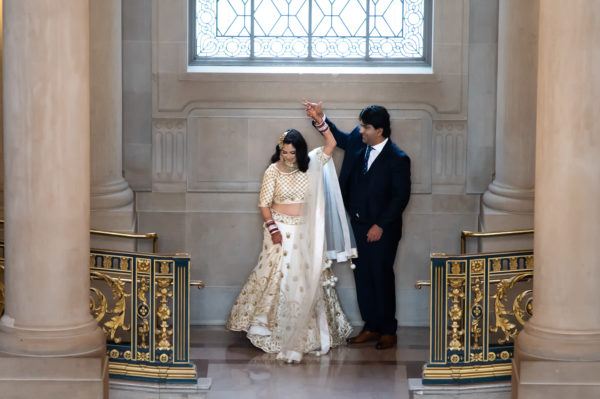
<point>330,31</point>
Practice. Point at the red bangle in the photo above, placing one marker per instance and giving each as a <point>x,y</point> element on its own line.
<point>322,127</point>
<point>271,226</point>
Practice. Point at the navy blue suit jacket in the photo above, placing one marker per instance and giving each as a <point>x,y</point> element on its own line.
<point>388,182</point>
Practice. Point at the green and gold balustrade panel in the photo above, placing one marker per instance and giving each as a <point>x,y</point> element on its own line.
<point>478,305</point>
<point>141,301</point>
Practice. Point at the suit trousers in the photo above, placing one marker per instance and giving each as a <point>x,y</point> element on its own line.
<point>375,281</point>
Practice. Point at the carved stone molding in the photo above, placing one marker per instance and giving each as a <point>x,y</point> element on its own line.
<point>168,154</point>
<point>449,152</point>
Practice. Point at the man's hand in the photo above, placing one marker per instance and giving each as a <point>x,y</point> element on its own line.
<point>314,110</point>
<point>276,237</point>
<point>374,233</point>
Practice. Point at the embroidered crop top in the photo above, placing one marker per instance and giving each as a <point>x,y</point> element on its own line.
<point>286,187</point>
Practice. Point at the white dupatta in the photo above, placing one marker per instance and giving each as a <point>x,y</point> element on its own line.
<point>325,235</point>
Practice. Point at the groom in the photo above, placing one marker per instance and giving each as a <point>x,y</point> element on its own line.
<point>375,185</point>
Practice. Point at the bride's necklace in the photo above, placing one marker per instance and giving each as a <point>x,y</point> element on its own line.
<point>289,167</point>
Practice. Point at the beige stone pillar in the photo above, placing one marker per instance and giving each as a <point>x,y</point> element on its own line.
<point>50,345</point>
<point>508,202</point>
<point>1,132</point>
<point>558,352</point>
<point>112,199</point>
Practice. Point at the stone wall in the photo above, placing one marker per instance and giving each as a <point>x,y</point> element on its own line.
<point>196,145</point>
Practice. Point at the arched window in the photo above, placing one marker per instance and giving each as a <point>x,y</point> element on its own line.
<point>310,32</point>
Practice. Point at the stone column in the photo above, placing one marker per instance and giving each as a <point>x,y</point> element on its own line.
<point>508,202</point>
<point>558,353</point>
<point>50,345</point>
<point>112,199</point>
<point>1,132</point>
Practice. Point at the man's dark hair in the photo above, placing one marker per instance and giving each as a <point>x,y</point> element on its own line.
<point>294,138</point>
<point>378,117</point>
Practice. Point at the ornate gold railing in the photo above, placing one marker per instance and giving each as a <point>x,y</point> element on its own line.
<point>141,302</point>
<point>478,304</point>
<point>152,236</point>
<point>484,234</point>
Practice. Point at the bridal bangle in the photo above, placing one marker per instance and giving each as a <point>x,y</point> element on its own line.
<point>322,127</point>
<point>271,226</point>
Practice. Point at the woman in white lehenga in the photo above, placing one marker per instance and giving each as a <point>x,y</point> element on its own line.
<point>289,305</point>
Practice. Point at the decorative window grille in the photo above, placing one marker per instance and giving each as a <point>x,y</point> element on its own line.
<point>313,31</point>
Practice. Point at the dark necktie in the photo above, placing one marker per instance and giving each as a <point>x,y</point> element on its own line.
<point>366,161</point>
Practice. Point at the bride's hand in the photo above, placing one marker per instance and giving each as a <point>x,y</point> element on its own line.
<point>314,110</point>
<point>276,237</point>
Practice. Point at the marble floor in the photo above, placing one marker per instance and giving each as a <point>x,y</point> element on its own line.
<point>240,371</point>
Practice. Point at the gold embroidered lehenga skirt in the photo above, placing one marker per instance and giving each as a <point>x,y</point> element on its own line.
<point>263,308</point>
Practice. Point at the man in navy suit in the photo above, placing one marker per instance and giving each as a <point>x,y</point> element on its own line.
<point>375,185</point>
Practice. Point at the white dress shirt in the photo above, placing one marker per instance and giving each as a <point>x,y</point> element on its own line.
<point>375,152</point>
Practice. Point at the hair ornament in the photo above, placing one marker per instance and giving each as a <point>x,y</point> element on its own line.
<point>281,138</point>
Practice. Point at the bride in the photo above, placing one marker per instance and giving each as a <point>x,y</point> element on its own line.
<point>288,304</point>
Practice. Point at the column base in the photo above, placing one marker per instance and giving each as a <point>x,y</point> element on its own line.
<point>121,220</point>
<point>508,199</point>
<point>491,219</point>
<point>544,379</point>
<point>556,364</point>
<point>85,340</point>
<point>53,377</point>
<point>539,343</point>
<point>112,210</point>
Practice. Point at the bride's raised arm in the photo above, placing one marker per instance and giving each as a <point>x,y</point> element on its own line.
<point>314,110</point>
